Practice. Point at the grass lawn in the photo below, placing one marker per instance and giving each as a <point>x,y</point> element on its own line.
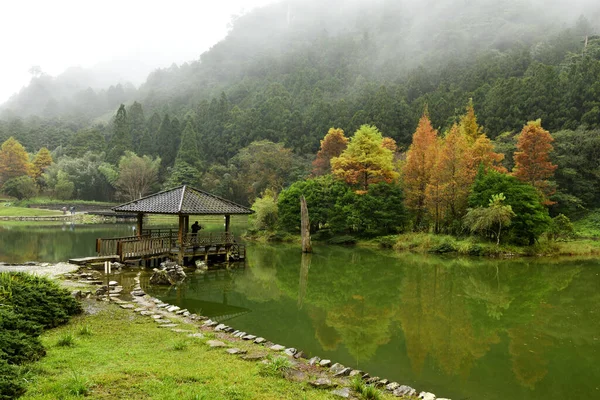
<point>10,211</point>
<point>118,354</point>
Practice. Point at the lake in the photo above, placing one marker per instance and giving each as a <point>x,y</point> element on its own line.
<point>463,328</point>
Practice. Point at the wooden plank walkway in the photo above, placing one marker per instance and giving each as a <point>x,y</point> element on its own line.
<point>91,260</point>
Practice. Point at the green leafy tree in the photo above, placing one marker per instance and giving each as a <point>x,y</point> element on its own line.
<point>137,176</point>
<point>64,188</point>
<point>265,212</point>
<point>23,187</point>
<point>492,218</point>
<point>120,141</point>
<point>561,228</point>
<point>531,216</point>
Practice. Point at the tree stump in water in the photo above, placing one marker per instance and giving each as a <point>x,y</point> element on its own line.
<point>305,227</point>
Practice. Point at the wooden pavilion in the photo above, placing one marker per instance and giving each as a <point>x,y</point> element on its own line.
<point>152,244</point>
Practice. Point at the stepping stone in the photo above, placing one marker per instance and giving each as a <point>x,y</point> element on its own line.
<point>157,316</point>
<point>321,383</point>
<point>177,330</point>
<point>139,309</point>
<point>127,306</point>
<point>179,312</point>
<point>146,313</point>
<point>260,340</point>
<point>300,354</point>
<point>381,383</point>
<point>163,305</point>
<point>372,380</point>
<point>236,351</point>
<point>325,363</point>
<point>335,368</point>
<point>404,390</point>
<point>220,327</point>
<point>173,309</point>
<point>392,386</point>
<point>167,325</point>
<point>240,334</point>
<point>249,337</point>
<point>197,335</point>
<point>162,321</point>
<point>290,351</point>
<point>427,396</point>
<point>138,293</point>
<point>277,347</point>
<point>216,343</point>
<point>344,393</point>
<point>113,283</point>
<point>314,360</point>
<point>345,372</point>
<point>254,357</point>
<point>186,314</point>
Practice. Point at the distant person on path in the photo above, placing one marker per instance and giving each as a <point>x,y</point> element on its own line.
<point>72,210</point>
<point>64,210</point>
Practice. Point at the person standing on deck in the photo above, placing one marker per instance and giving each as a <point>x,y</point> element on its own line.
<point>195,229</point>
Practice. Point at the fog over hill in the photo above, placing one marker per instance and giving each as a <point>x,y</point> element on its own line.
<point>386,38</point>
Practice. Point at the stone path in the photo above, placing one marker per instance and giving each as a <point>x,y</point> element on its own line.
<point>334,377</point>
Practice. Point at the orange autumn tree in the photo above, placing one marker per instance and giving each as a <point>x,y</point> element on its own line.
<point>434,201</point>
<point>332,145</point>
<point>41,161</point>
<point>365,160</point>
<point>532,158</point>
<point>455,171</point>
<point>417,170</point>
<point>14,161</point>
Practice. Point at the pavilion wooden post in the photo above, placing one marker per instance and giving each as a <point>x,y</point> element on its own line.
<point>305,227</point>
<point>140,224</point>
<point>227,222</point>
<point>180,237</point>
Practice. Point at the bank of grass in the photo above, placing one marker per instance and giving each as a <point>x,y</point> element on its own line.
<point>472,246</point>
<point>14,211</point>
<point>126,356</point>
<point>588,226</point>
<point>49,201</point>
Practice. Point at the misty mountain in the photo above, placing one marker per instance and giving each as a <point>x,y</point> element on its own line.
<point>377,40</point>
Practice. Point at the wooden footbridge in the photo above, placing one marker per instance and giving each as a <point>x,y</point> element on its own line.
<point>158,244</point>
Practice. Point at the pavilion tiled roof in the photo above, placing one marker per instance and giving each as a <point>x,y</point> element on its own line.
<point>183,200</point>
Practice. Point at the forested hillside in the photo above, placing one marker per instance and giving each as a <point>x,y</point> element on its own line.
<point>263,98</point>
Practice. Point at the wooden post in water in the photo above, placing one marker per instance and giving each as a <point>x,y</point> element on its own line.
<point>305,227</point>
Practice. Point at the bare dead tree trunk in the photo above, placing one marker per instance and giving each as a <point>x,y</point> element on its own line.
<point>305,226</point>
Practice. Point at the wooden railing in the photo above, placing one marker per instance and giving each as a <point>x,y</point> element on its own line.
<point>143,247</point>
<point>159,232</point>
<point>108,246</point>
<point>207,239</point>
<point>158,241</point>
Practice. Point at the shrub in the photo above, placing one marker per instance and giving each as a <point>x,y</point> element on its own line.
<point>276,366</point>
<point>11,386</point>
<point>19,341</point>
<point>37,299</point>
<point>22,187</point>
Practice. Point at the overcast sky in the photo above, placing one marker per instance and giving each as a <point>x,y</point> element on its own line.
<point>57,34</point>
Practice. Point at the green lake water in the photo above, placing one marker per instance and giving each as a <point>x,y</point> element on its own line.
<point>461,328</point>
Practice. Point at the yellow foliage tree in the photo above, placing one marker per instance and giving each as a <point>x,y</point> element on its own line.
<point>14,161</point>
<point>41,161</point>
<point>365,160</point>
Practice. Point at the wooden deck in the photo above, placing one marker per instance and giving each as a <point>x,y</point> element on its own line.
<point>93,260</point>
<point>162,244</point>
